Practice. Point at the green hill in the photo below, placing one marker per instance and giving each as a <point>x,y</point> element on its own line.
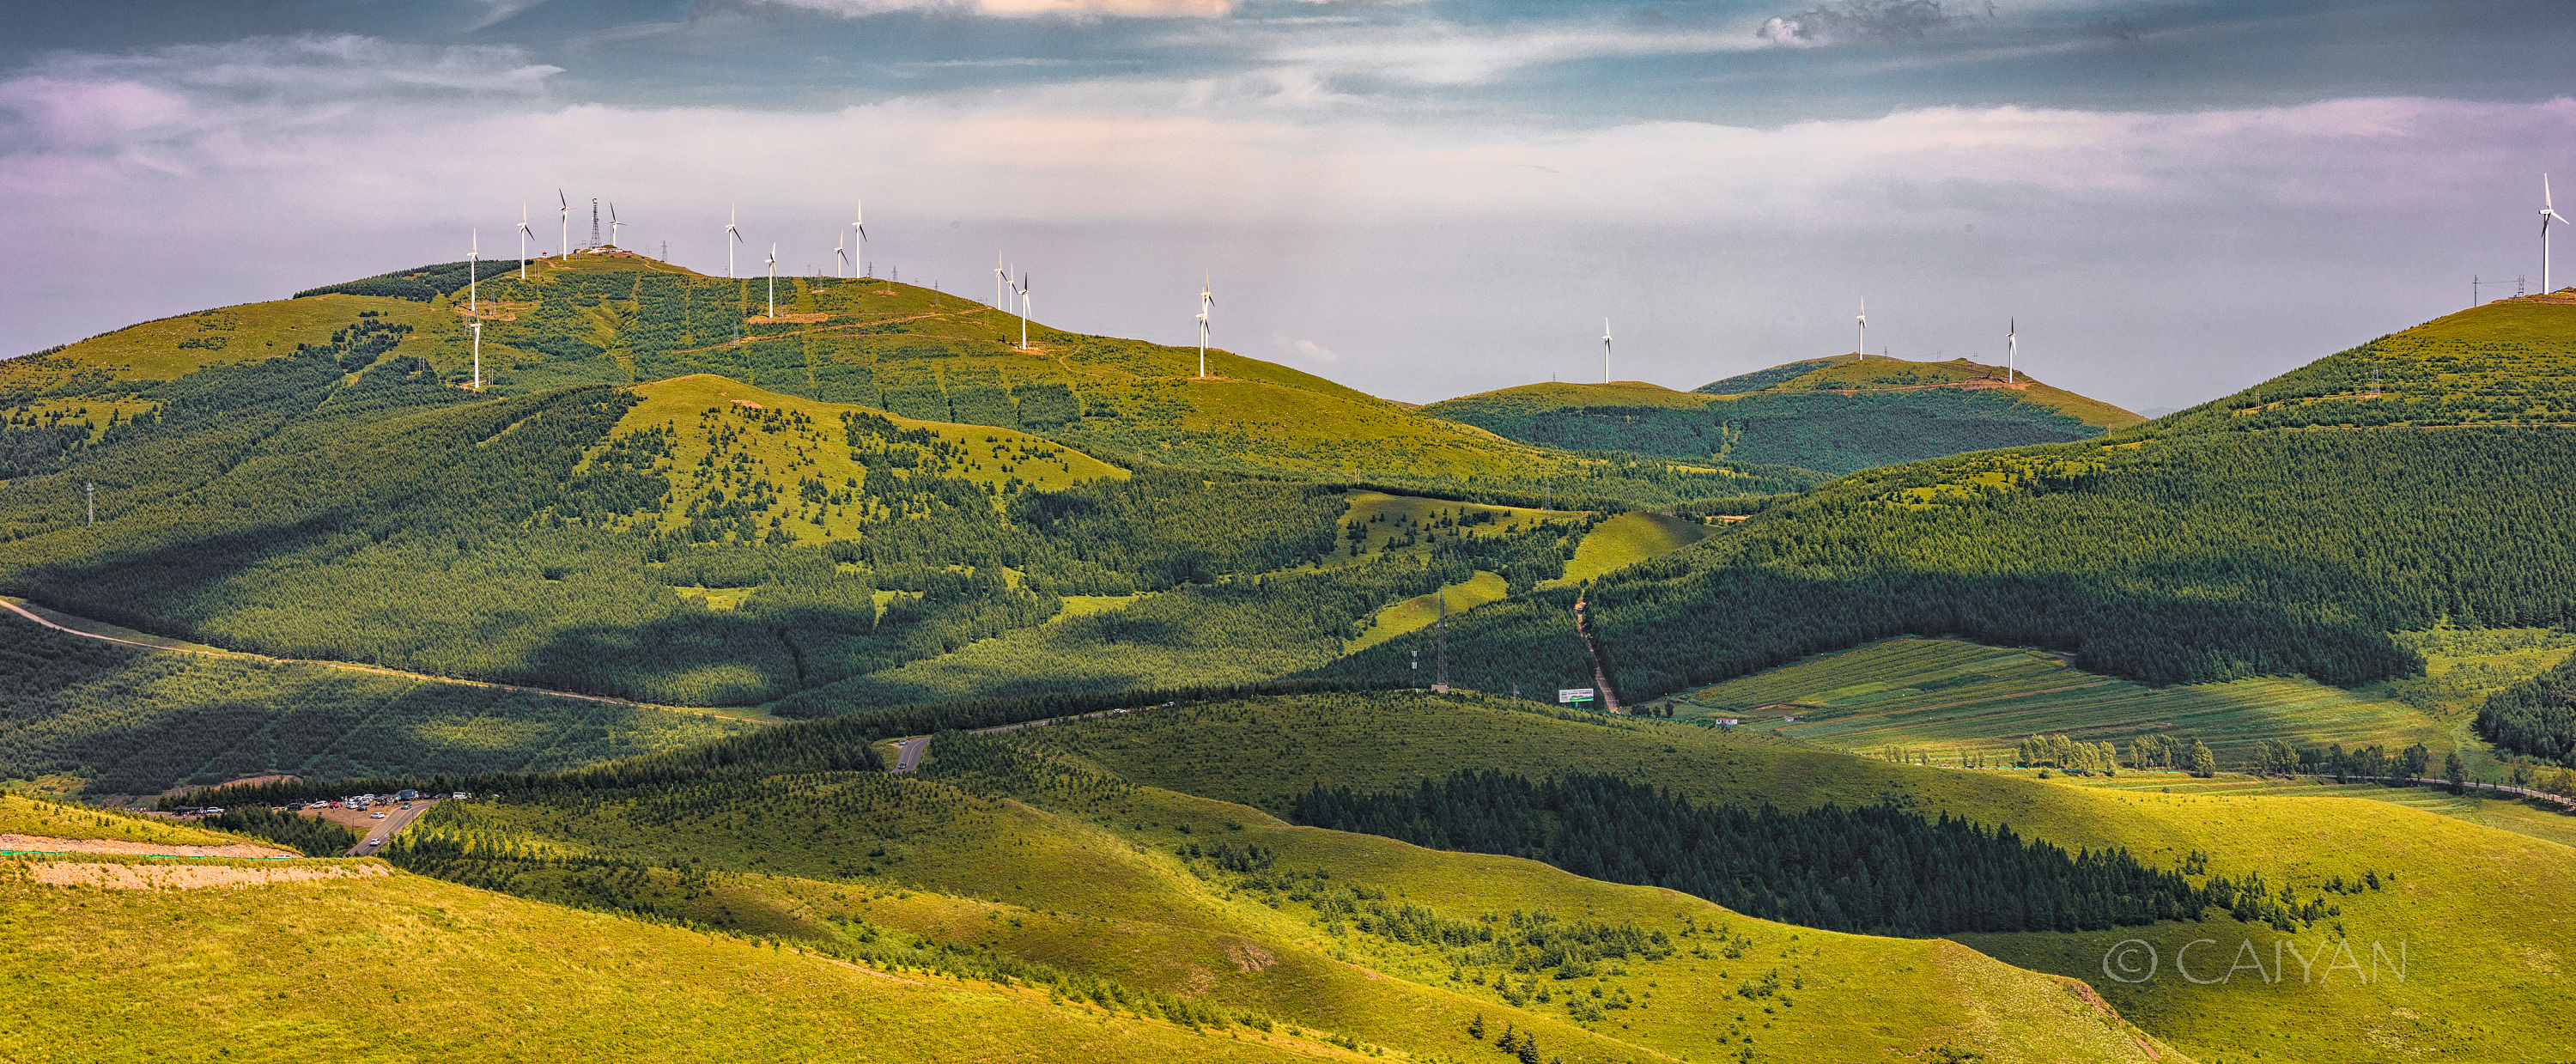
<point>1836,415</point>
<point>618,318</point>
<point>642,507</point>
<point>1001,861</point>
<point>2286,530</point>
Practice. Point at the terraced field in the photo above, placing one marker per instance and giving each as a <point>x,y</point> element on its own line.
<point>1950,698</point>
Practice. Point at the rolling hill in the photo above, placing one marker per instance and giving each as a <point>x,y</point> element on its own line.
<point>1832,414</point>
<point>2289,529</point>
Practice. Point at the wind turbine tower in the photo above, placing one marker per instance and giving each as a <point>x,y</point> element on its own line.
<point>859,246</point>
<point>2547,215</point>
<point>473,303</point>
<point>2012,349</point>
<point>1001,283</point>
<point>840,254</point>
<point>1024,312</point>
<point>730,230</point>
<point>525,234</point>
<point>613,223</point>
<point>1605,350</point>
<point>1207,302</point>
<point>773,280</point>
<point>563,215</point>
<point>1860,349</point>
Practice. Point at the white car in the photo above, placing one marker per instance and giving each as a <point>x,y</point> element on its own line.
<point>375,816</point>
<point>375,842</point>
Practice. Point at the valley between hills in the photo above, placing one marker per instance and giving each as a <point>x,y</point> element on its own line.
<point>1951,711</point>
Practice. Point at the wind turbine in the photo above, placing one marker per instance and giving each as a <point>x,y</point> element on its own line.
<point>525,234</point>
<point>841,253</point>
<point>1024,312</point>
<point>2012,348</point>
<point>1860,353</point>
<point>1207,302</point>
<point>859,247</point>
<point>773,280</point>
<point>1605,350</point>
<point>564,213</point>
<point>472,295</point>
<point>1001,284</point>
<point>613,223</point>
<point>730,217</point>
<point>2547,215</point>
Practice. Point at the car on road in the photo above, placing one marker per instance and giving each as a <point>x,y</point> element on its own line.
<point>375,842</point>
<point>375,816</point>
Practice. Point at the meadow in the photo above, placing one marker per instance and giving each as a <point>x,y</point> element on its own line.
<point>2477,906</point>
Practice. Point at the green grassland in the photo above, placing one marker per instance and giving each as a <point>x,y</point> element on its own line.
<point>22,815</point>
<point>1952,699</point>
<point>1011,860</point>
<point>1826,414</point>
<point>2485,923</point>
<point>1626,540</point>
<point>135,721</point>
<point>399,967</point>
<point>1422,610</point>
<point>725,430</point>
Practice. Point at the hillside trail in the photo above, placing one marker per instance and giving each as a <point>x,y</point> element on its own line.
<point>23,608</point>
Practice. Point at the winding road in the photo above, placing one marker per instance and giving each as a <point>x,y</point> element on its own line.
<point>29,611</point>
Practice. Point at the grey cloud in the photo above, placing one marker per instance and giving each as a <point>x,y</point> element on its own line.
<point>1858,21</point>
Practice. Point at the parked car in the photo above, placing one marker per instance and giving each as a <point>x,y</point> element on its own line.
<point>375,816</point>
<point>459,796</point>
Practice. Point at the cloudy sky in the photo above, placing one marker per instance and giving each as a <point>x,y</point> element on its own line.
<point>1421,199</point>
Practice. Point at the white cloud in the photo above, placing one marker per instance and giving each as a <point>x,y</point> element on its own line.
<point>1023,8</point>
<point>1307,349</point>
<point>1444,54</point>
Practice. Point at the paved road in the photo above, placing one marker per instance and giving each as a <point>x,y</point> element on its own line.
<point>395,818</point>
<point>379,670</point>
<point>911,751</point>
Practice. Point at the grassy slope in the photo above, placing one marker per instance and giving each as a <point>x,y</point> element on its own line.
<point>2487,925</point>
<point>1944,695</point>
<point>398,967</point>
<point>26,816</point>
<point>1625,540</point>
<point>1956,372</point>
<point>1423,610</point>
<point>1834,415</point>
<point>820,448</point>
<point>1089,882</point>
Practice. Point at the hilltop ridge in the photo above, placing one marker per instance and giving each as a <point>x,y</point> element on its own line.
<point>1834,415</point>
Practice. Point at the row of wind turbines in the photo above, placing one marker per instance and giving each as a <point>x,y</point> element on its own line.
<point>1009,296</point>
<point>2012,344</point>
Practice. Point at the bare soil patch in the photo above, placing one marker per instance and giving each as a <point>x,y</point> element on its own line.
<point>188,877</point>
<point>50,844</point>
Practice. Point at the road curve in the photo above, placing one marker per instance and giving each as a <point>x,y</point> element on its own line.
<point>350,666</point>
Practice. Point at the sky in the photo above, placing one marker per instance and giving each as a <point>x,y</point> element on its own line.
<point>2169,200</point>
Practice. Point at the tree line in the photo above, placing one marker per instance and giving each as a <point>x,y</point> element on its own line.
<point>1875,869</point>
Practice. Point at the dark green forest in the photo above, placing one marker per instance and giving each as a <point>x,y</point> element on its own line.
<point>2180,557</point>
<point>2535,718</point>
<point>1828,432</point>
<point>1877,870</point>
<point>135,721</point>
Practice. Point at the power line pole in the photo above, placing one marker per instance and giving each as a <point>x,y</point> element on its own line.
<point>1440,638</point>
